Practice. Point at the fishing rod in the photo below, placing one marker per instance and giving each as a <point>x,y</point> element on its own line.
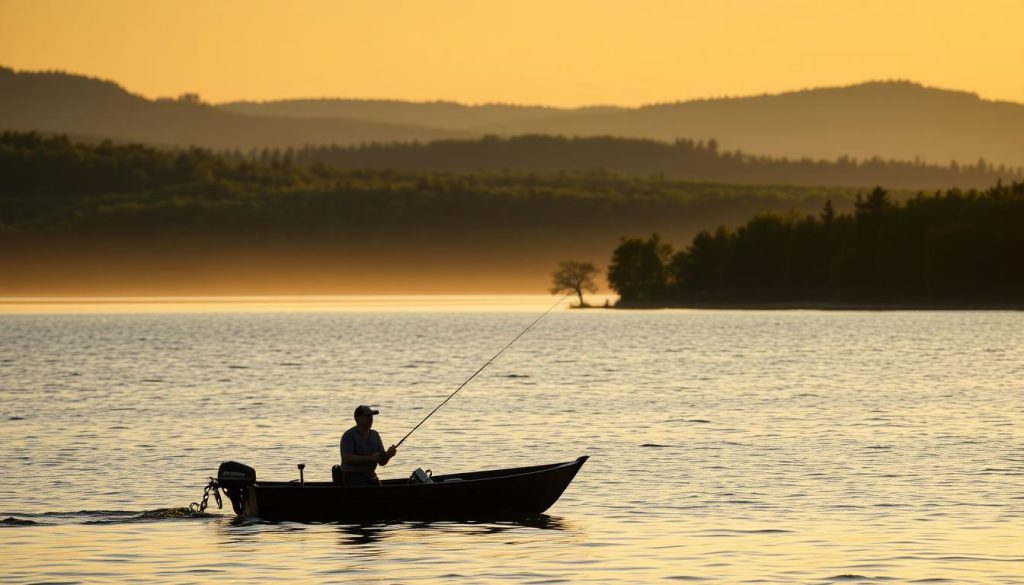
<point>489,362</point>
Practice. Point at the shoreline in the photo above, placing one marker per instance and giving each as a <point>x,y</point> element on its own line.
<point>528,303</point>
<point>452,302</point>
<point>823,306</point>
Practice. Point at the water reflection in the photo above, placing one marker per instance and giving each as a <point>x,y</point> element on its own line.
<point>544,522</point>
<point>371,533</point>
<point>360,534</point>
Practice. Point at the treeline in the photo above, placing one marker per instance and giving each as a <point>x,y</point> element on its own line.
<point>52,185</point>
<point>32,163</point>
<point>950,247</point>
<point>686,160</point>
<point>67,205</point>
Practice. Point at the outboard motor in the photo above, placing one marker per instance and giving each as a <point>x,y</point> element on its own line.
<point>234,478</point>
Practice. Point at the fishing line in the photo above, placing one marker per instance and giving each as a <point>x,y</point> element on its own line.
<point>489,362</point>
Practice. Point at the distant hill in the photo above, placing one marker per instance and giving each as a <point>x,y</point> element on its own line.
<point>83,106</point>
<point>447,115</point>
<point>891,120</point>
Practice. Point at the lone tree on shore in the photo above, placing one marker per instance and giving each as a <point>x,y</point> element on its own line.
<point>573,276</point>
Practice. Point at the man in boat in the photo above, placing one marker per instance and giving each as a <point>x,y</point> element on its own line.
<point>362,450</point>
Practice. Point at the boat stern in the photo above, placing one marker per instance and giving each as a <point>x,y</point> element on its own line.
<point>237,479</point>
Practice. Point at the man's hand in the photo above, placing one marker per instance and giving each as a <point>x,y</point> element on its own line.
<point>384,456</point>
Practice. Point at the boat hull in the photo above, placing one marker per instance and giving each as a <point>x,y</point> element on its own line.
<point>498,494</point>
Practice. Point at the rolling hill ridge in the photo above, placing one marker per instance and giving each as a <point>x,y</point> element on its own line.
<point>896,120</point>
<point>73,104</point>
<point>891,120</point>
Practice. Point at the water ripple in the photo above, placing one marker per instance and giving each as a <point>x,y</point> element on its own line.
<point>774,447</point>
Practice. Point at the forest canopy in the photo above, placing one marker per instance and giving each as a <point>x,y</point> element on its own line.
<point>950,247</point>
<point>56,187</point>
<point>683,159</point>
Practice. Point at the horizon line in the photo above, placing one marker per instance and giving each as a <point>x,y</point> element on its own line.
<point>480,104</point>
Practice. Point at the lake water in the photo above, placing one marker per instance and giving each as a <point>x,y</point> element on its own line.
<point>727,446</point>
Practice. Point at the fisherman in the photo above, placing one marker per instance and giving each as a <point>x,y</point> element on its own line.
<point>362,450</point>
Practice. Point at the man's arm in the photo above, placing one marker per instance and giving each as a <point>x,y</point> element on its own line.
<point>386,456</point>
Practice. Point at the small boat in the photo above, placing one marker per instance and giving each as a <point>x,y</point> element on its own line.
<point>484,495</point>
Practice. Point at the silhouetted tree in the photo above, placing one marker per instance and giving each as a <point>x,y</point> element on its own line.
<point>828,214</point>
<point>573,276</point>
<point>697,272</point>
<point>637,271</point>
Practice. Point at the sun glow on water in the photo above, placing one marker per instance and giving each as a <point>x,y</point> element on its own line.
<point>249,304</point>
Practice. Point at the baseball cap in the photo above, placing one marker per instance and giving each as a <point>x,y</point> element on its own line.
<point>363,410</point>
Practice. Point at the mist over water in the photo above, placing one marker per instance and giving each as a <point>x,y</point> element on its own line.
<point>727,446</point>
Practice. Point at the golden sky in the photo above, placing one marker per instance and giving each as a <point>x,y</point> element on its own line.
<point>557,52</point>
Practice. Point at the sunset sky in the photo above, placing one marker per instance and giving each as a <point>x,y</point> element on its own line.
<point>565,53</point>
